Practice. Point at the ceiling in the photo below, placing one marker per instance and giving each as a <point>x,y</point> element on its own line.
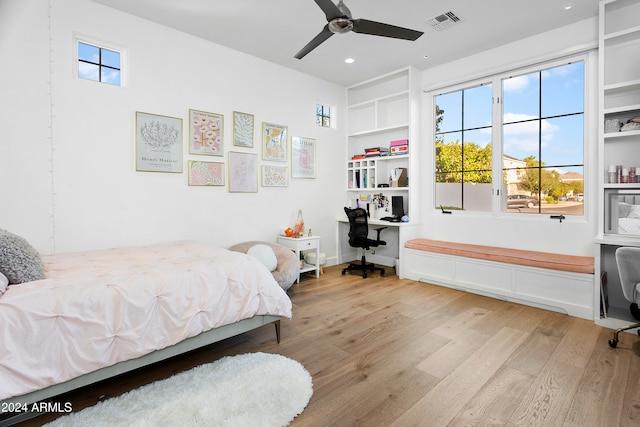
<point>276,30</point>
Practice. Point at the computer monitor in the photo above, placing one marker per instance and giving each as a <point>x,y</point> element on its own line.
<point>397,206</point>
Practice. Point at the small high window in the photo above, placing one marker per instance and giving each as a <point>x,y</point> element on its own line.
<point>99,64</point>
<point>323,115</point>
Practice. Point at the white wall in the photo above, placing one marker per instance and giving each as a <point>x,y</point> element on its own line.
<point>573,235</point>
<point>68,164</point>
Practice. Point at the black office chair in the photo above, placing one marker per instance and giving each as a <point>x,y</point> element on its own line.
<point>359,238</point>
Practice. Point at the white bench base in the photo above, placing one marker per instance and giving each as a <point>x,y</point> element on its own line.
<point>561,291</point>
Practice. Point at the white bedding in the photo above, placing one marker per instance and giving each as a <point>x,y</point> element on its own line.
<point>97,308</point>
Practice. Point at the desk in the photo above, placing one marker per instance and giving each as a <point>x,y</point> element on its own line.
<point>299,244</point>
<point>396,234</point>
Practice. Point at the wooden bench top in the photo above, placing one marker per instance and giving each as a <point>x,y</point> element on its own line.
<point>552,261</point>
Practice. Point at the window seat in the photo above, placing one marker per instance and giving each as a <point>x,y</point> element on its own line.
<point>557,282</point>
<point>573,263</point>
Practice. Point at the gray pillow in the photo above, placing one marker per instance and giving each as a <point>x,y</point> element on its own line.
<point>19,261</point>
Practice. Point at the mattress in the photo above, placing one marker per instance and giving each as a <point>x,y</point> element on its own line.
<point>97,308</point>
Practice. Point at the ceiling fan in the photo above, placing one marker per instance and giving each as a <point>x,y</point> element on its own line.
<point>339,21</point>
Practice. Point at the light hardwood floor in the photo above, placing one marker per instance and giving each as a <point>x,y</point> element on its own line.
<point>389,352</point>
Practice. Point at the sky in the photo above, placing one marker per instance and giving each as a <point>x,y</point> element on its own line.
<point>562,94</point>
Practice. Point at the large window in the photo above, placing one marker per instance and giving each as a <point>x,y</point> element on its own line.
<point>519,137</point>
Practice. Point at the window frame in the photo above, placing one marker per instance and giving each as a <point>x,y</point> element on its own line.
<point>102,45</point>
<point>499,200</point>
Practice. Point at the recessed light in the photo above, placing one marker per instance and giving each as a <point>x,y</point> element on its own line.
<point>425,56</point>
<point>569,6</point>
<point>349,60</point>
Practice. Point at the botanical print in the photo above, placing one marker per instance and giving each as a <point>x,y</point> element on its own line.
<point>242,129</point>
<point>275,176</point>
<point>206,133</point>
<point>158,143</point>
<point>206,173</point>
<point>243,172</point>
<point>303,157</point>
<point>274,142</point>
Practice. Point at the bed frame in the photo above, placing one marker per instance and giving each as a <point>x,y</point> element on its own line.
<point>201,340</point>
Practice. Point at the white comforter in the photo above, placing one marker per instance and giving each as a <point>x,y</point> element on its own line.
<point>98,308</point>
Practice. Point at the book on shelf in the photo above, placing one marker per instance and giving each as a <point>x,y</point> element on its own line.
<point>399,142</point>
<point>399,149</point>
<point>357,157</point>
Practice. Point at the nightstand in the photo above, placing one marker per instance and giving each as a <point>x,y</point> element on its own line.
<point>300,244</point>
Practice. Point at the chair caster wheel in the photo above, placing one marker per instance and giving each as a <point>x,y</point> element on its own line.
<point>364,275</point>
<point>343,272</point>
<point>613,343</point>
<point>382,273</point>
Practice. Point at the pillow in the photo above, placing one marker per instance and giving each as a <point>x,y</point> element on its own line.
<point>265,255</point>
<point>4,282</point>
<point>635,212</point>
<point>624,209</point>
<point>19,261</point>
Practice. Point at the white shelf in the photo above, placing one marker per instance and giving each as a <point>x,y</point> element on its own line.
<point>368,103</point>
<point>619,89</point>
<point>623,109</point>
<point>375,131</point>
<point>621,135</point>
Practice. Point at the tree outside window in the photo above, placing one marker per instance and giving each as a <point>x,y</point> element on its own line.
<point>541,149</point>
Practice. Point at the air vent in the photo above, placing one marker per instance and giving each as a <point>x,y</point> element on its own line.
<point>443,21</point>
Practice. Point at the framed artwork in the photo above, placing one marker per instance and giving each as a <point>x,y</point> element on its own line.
<point>275,176</point>
<point>206,132</point>
<point>206,173</point>
<point>274,142</point>
<point>158,143</point>
<point>303,157</point>
<point>242,129</point>
<point>243,172</point>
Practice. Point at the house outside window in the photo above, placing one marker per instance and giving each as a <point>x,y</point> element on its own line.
<point>99,64</point>
<point>520,137</point>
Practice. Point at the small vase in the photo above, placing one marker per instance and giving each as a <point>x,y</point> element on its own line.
<point>298,229</point>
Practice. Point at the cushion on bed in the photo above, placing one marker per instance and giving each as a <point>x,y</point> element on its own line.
<point>4,282</point>
<point>265,255</point>
<point>19,261</point>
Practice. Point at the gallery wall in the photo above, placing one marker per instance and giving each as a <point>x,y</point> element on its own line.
<point>68,145</point>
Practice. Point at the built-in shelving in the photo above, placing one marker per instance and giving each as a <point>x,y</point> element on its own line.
<point>619,87</point>
<point>382,110</point>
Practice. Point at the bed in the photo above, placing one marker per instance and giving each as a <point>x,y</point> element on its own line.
<point>100,313</point>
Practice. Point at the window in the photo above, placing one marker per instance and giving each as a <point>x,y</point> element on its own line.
<point>98,64</point>
<point>463,149</point>
<point>323,115</point>
<point>535,159</point>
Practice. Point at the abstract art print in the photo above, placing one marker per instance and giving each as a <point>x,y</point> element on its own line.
<point>158,143</point>
<point>206,133</point>
<point>206,173</point>
<point>242,129</point>
<point>243,172</point>
<point>275,176</point>
<point>274,142</point>
<point>303,157</point>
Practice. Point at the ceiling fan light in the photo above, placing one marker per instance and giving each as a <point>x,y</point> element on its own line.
<point>340,25</point>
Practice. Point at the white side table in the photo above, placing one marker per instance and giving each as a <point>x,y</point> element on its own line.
<point>299,244</point>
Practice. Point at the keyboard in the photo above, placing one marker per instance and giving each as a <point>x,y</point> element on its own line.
<point>390,219</point>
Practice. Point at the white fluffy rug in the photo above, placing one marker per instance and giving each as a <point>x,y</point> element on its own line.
<point>255,389</point>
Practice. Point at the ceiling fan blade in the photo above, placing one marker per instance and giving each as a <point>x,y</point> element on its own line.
<point>364,26</point>
<point>317,40</point>
<point>330,9</point>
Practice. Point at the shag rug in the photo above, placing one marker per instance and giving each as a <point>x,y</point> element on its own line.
<point>255,389</point>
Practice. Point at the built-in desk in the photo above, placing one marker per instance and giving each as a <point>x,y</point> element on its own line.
<point>396,234</point>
